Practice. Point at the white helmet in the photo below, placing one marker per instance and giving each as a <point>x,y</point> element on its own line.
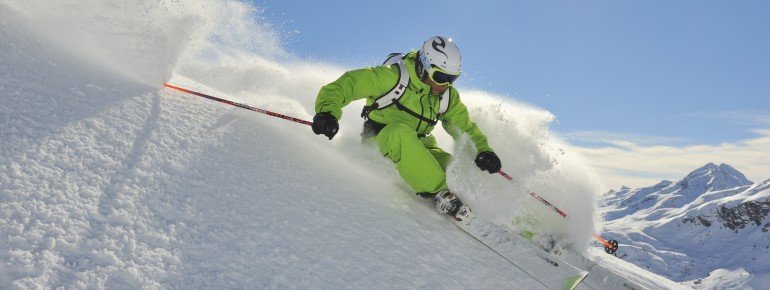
<point>439,58</point>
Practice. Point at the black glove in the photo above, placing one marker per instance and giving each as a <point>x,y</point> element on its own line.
<point>488,161</point>
<point>325,123</point>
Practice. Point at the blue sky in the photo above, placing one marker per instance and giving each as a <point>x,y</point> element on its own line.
<point>684,70</point>
<point>674,73</point>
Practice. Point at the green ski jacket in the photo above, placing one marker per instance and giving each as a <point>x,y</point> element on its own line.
<point>374,82</point>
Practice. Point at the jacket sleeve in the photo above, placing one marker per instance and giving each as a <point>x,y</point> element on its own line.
<point>457,121</point>
<point>354,85</point>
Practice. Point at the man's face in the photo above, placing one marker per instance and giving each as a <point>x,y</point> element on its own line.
<point>434,87</point>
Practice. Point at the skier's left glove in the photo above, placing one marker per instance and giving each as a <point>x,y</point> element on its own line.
<point>488,161</point>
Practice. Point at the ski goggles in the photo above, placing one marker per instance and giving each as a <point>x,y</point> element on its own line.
<point>436,74</point>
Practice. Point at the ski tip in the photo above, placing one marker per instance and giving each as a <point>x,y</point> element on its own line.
<point>572,282</point>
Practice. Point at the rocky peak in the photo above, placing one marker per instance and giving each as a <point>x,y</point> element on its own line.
<point>662,184</point>
<point>712,177</point>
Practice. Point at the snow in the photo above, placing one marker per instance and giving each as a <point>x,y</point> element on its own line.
<point>109,181</point>
<point>633,272</point>
<point>716,238</point>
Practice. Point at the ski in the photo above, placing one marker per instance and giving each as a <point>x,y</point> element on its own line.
<point>599,277</point>
<point>547,269</point>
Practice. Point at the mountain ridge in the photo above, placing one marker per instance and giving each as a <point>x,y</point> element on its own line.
<point>672,228</point>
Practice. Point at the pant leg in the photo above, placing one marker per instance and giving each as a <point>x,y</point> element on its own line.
<point>439,154</point>
<point>413,161</point>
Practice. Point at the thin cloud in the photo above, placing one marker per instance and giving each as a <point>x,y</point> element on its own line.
<point>636,165</point>
<point>601,138</point>
<point>748,118</point>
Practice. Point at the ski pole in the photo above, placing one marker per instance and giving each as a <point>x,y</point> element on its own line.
<point>610,246</point>
<point>240,105</point>
<point>536,196</point>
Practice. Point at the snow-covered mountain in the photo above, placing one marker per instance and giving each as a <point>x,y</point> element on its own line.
<point>709,229</point>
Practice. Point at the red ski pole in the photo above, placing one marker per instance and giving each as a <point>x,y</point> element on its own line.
<point>247,107</point>
<point>297,120</point>
<point>610,246</point>
<point>536,196</point>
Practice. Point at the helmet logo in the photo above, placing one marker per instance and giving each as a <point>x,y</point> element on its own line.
<point>442,44</point>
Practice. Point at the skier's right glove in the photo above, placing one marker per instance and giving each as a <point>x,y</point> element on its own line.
<point>325,123</point>
<point>488,161</point>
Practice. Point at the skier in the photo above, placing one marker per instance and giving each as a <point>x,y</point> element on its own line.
<point>406,97</point>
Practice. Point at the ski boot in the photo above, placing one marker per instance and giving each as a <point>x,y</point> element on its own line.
<point>446,202</point>
<point>464,214</point>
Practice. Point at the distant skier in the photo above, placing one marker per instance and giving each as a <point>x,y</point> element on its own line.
<point>406,97</point>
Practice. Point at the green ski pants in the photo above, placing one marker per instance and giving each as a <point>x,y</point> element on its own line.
<point>419,160</point>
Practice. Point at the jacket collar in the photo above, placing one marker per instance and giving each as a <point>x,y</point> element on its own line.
<point>410,60</point>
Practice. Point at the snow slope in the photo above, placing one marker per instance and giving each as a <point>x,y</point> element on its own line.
<point>108,181</point>
<point>709,229</point>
